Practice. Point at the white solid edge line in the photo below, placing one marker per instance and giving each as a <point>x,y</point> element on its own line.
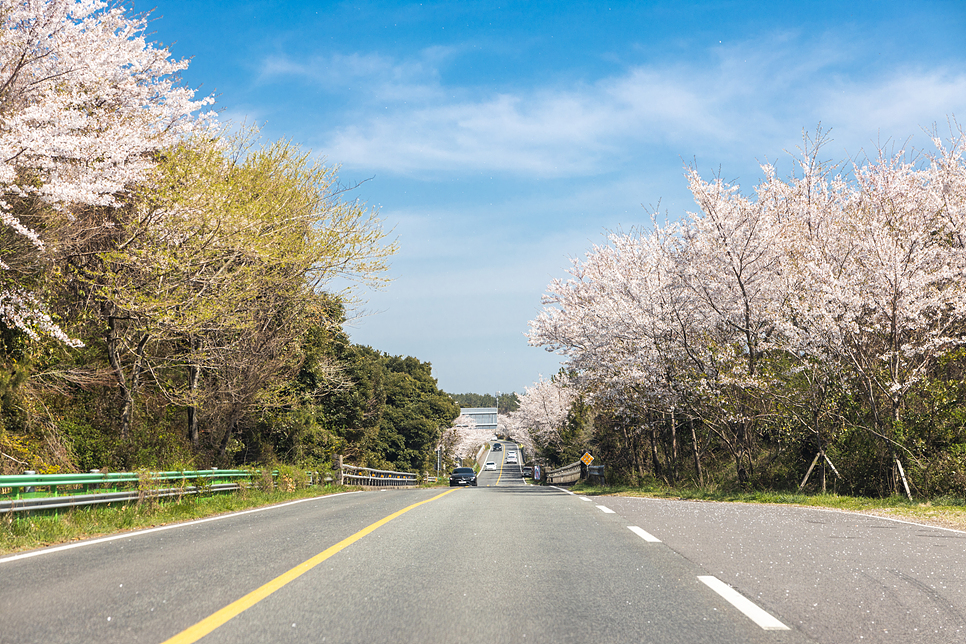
<point>605,509</point>
<point>583,498</point>
<point>643,534</point>
<point>562,490</point>
<point>877,516</point>
<point>170,526</point>
<point>742,603</point>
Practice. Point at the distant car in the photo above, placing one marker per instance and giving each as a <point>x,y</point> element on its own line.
<point>497,447</point>
<point>490,465</point>
<point>462,476</point>
<point>511,458</point>
<point>528,471</point>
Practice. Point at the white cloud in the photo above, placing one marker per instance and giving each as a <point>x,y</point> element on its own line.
<point>370,77</point>
<point>898,107</point>
<point>751,98</point>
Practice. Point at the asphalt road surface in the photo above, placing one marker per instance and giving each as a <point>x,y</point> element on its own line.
<point>502,562</point>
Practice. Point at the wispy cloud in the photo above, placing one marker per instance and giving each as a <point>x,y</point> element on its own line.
<point>748,98</point>
<point>369,76</point>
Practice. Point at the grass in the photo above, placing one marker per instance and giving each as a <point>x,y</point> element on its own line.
<point>946,512</point>
<point>20,531</point>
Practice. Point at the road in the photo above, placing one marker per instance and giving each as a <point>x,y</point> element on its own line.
<point>502,562</point>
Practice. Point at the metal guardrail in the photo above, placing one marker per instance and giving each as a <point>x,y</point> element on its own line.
<point>82,500</point>
<point>30,491</point>
<point>22,486</point>
<point>24,492</point>
<point>369,477</point>
<point>566,474</point>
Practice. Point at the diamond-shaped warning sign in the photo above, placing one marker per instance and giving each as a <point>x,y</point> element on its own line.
<point>586,459</point>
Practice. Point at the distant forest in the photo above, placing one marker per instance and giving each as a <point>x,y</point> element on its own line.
<point>508,402</point>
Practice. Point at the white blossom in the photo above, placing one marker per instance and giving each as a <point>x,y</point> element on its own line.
<point>85,104</point>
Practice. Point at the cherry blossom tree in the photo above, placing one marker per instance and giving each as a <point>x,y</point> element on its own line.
<point>464,438</point>
<point>884,288</point>
<point>543,410</point>
<point>86,104</point>
<point>847,281</point>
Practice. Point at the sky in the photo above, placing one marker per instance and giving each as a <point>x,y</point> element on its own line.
<point>500,140</point>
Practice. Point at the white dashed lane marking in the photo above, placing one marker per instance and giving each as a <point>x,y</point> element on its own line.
<point>745,605</point>
<point>605,509</point>
<point>643,534</point>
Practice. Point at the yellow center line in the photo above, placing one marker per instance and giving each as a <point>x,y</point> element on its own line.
<point>213,621</point>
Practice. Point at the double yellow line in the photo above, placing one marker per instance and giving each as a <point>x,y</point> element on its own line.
<point>210,623</point>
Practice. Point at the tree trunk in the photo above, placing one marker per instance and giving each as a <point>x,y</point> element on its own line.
<point>194,376</point>
<point>226,439</point>
<point>127,390</point>
<point>655,462</point>
<point>674,447</point>
<point>697,456</point>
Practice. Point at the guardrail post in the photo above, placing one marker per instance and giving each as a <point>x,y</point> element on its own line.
<point>338,467</point>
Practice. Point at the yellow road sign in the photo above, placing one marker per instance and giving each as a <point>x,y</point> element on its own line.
<point>586,459</point>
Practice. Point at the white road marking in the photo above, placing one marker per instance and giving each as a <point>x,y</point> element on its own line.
<point>742,603</point>
<point>170,526</point>
<point>563,490</point>
<point>605,509</point>
<point>584,498</point>
<point>643,534</point>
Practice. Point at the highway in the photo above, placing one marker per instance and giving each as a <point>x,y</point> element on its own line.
<point>502,562</point>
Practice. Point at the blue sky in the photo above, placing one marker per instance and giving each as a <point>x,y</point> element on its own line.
<point>502,139</point>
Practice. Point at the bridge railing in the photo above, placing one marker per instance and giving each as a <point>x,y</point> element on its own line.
<point>569,474</point>
<point>564,475</point>
<point>368,477</point>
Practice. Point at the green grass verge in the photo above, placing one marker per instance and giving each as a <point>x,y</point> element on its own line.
<point>947,512</point>
<point>20,531</point>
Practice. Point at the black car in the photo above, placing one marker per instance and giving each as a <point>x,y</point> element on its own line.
<point>462,476</point>
<point>497,447</point>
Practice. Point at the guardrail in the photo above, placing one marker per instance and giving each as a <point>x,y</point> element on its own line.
<point>24,485</point>
<point>369,477</point>
<point>22,492</point>
<point>574,472</point>
<point>566,474</point>
<point>31,491</point>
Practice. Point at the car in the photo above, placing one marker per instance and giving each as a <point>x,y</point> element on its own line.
<point>462,476</point>
<point>490,465</point>
<point>511,458</point>
<point>528,471</point>
<point>497,447</point>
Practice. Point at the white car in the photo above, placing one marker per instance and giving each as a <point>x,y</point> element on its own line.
<point>490,465</point>
<point>511,458</point>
